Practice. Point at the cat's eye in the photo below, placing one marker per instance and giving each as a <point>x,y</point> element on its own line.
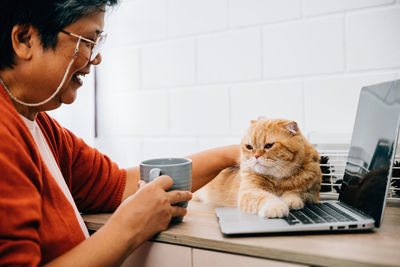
<point>249,147</point>
<point>269,145</point>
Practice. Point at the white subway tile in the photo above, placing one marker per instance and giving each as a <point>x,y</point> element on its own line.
<point>137,21</point>
<point>168,147</point>
<point>314,7</point>
<point>140,124</point>
<point>271,100</point>
<point>134,114</point>
<point>193,16</point>
<point>373,39</point>
<point>230,56</point>
<point>170,63</point>
<point>199,111</point>
<point>119,70</point>
<point>329,138</point>
<point>307,47</point>
<point>123,151</point>
<point>204,143</point>
<point>331,104</point>
<point>251,12</point>
<point>105,112</point>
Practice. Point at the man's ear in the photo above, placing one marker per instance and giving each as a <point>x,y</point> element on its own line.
<point>21,38</point>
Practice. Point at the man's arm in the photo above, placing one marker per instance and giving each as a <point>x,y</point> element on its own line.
<point>206,165</point>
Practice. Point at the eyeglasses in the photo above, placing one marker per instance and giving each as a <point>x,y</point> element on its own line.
<point>96,45</point>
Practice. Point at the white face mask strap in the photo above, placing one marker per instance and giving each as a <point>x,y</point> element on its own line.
<point>77,48</point>
<point>58,89</point>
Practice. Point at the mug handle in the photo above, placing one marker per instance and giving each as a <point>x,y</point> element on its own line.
<point>154,173</point>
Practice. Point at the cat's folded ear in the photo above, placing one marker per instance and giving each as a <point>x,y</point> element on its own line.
<point>292,127</point>
<point>259,118</point>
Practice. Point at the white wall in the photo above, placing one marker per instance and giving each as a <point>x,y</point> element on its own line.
<point>179,76</point>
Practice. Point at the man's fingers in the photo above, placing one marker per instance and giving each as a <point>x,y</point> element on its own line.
<point>179,196</point>
<point>164,181</point>
<point>141,183</point>
<point>178,211</point>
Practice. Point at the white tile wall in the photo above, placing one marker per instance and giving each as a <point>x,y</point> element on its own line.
<point>169,63</point>
<point>139,113</point>
<point>199,111</point>
<point>373,39</point>
<point>268,99</point>
<point>137,21</point>
<point>173,147</point>
<point>311,46</point>
<point>255,12</point>
<point>204,143</point>
<point>126,152</point>
<point>193,16</point>
<point>180,76</point>
<point>230,56</point>
<point>314,7</point>
<point>121,73</point>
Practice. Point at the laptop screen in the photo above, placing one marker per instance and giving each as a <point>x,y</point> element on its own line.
<point>373,144</point>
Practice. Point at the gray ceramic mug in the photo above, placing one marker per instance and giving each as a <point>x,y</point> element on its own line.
<point>179,169</point>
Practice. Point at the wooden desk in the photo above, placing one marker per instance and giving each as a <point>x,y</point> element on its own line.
<point>200,229</point>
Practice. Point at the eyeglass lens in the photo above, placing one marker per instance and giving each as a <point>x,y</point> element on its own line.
<point>96,48</point>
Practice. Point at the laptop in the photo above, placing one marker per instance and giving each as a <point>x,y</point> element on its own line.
<point>366,179</point>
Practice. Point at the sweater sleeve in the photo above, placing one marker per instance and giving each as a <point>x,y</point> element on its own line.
<point>95,181</point>
<point>20,204</point>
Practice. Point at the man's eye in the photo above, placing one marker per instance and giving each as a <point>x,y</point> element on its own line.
<point>88,44</point>
<point>249,147</point>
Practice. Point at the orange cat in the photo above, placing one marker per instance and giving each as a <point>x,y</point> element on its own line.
<point>279,170</point>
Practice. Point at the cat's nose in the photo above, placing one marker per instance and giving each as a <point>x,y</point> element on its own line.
<point>257,156</point>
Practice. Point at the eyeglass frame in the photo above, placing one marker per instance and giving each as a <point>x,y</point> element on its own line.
<point>96,44</point>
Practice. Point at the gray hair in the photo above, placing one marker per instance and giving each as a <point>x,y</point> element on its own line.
<point>49,17</point>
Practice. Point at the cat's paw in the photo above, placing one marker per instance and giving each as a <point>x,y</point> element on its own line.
<point>293,201</point>
<point>273,208</point>
<point>248,206</point>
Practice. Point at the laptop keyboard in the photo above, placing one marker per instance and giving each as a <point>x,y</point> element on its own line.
<point>317,213</point>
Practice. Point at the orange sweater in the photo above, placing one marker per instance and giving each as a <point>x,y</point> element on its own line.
<point>37,223</point>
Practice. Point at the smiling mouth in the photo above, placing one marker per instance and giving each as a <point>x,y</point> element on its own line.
<point>77,77</point>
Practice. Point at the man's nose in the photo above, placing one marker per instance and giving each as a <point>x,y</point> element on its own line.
<point>96,60</point>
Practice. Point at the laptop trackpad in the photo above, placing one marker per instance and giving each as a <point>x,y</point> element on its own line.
<point>234,220</point>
